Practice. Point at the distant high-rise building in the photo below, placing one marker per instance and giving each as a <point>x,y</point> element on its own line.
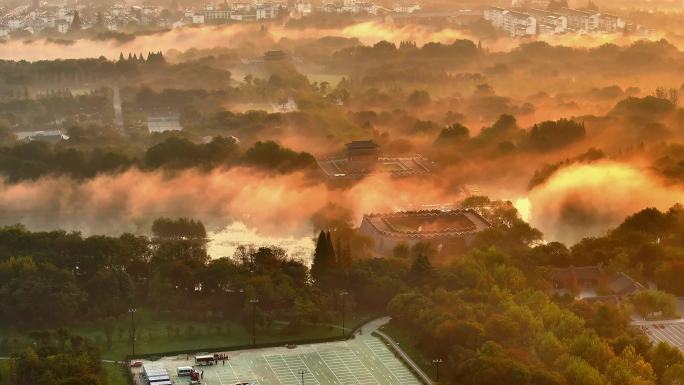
<point>539,4</point>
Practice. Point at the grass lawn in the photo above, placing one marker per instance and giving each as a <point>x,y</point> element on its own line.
<point>407,343</point>
<point>155,334</point>
<point>116,374</point>
<point>4,372</point>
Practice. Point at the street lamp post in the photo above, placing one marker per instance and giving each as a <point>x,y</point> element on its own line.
<point>342,295</point>
<point>132,311</point>
<point>254,303</point>
<point>302,372</point>
<point>437,362</point>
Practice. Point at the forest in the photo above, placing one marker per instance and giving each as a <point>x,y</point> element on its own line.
<point>488,314</point>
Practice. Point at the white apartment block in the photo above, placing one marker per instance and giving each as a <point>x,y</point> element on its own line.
<point>62,26</point>
<point>532,21</point>
<point>580,21</point>
<point>14,24</point>
<point>610,23</point>
<point>548,23</point>
<point>303,8</point>
<point>406,8</point>
<point>512,22</point>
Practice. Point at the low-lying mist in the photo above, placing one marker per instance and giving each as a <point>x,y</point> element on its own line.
<point>586,200</point>
<point>276,205</point>
<point>248,36</point>
<point>577,201</point>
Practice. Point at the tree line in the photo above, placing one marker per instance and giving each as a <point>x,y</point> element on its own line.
<point>35,159</point>
<point>487,313</point>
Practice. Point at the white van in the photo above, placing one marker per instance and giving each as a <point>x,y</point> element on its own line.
<point>184,371</point>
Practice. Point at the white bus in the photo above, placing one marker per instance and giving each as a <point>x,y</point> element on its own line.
<point>204,360</point>
<point>184,371</point>
<point>155,380</point>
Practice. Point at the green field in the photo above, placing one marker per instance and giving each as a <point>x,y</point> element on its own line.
<point>116,374</point>
<point>155,334</point>
<point>4,372</point>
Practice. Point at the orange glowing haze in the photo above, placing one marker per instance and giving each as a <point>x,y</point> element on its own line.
<point>586,200</point>
<point>186,38</point>
<point>577,201</point>
<point>276,205</point>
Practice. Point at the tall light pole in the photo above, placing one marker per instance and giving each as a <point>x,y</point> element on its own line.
<point>132,311</point>
<point>254,303</point>
<point>302,372</point>
<point>437,362</point>
<point>342,295</point>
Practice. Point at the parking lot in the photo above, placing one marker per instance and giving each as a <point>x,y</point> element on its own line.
<point>671,332</point>
<point>365,360</point>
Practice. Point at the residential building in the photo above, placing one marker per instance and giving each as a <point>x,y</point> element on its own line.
<point>610,23</point>
<point>50,136</point>
<point>406,8</point>
<point>536,4</point>
<point>495,15</point>
<point>216,15</point>
<point>163,123</point>
<point>531,20</point>
<point>580,21</point>
<point>15,24</point>
<point>267,11</point>
<point>513,22</point>
<point>519,24</point>
<point>303,8</point>
<point>593,283</point>
<point>62,26</point>
<point>548,23</point>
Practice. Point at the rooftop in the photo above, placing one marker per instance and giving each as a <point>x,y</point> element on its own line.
<point>428,224</point>
<point>590,279</point>
<point>401,166</point>
<point>575,12</point>
<point>362,145</point>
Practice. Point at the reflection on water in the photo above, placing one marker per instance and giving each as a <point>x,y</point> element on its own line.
<point>223,243</point>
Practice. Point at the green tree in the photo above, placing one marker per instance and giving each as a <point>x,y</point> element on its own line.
<point>76,23</point>
<point>419,98</point>
<point>401,250</point>
<point>453,133</point>
<point>674,375</point>
<point>421,269</point>
<point>664,356</point>
<point>650,303</point>
<point>324,262</point>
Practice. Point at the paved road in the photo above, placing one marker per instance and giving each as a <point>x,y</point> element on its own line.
<point>395,346</point>
<point>367,330</point>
